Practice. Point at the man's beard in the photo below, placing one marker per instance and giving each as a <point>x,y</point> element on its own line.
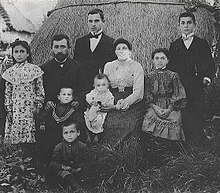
<point>60,56</point>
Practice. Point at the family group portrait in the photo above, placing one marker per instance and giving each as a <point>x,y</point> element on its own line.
<point>110,96</point>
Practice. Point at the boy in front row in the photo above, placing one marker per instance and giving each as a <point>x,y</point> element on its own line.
<point>55,115</point>
<point>190,57</point>
<point>67,155</point>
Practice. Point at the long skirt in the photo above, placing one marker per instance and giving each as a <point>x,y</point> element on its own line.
<point>122,130</point>
<point>169,128</point>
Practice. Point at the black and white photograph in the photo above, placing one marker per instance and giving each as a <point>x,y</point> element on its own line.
<point>109,96</point>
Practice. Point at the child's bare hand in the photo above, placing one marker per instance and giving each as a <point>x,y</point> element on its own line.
<point>49,105</point>
<point>76,170</point>
<point>66,168</point>
<point>75,104</point>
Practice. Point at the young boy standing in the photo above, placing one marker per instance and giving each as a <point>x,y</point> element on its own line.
<point>190,56</point>
<point>67,155</point>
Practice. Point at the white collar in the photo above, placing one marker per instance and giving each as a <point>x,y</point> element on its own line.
<point>186,37</point>
<point>99,32</point>
<point>61,63</point>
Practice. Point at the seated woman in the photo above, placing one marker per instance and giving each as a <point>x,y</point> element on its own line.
<point>122,124</point>
<point>164,97</point>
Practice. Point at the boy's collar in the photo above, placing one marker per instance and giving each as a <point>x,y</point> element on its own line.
<point>70,142</point>
<point>186,37</point>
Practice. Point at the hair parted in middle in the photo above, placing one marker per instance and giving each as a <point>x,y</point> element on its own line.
<point>122,41</point>
<point>159,50</point>
<point>18,42</point>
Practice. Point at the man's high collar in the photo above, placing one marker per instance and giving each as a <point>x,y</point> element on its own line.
<point>99,32</point>
<point>61,63</point>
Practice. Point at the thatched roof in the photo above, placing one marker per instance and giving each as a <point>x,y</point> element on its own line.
<point>14,19</point>
<point>146,24</point>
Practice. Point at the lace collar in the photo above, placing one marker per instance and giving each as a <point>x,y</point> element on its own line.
<point>22,73</point>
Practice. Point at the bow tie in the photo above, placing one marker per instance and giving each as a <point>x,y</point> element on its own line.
<point>94,36</point>
<point>187,37</point>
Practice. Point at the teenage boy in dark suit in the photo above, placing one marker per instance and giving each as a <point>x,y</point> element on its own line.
<point>190,56</point>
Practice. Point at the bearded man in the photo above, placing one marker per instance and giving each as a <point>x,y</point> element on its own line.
<point>62,71</point>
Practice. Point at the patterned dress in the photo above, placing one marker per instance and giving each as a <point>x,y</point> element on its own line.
<point>23,94</point>
<point>122,127</point>
<point>163,88</point>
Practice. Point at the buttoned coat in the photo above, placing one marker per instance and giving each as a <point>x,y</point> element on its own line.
<point>94,61</point>
<point>193,64</point>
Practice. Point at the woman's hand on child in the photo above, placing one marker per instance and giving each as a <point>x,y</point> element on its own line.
<point>119,104</point>
<point>124,105</point>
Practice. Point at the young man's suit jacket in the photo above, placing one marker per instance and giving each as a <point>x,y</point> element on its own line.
<point>193,64</point>
<point>94,61</point>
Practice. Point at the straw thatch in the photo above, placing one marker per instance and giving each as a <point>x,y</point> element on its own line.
<point>13,24</point>
<point>14,18</point>
<point>146,24</point>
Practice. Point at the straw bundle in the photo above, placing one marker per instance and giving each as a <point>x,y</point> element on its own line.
<point>146,24</point>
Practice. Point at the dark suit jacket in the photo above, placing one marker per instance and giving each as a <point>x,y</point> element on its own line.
<point>93,61</point>
<point>55,77</point>
<point>193,64</point>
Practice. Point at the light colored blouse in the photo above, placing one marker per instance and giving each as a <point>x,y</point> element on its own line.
<point>126,74</point>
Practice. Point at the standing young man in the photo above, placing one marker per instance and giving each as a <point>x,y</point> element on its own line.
<point>95,49</point>
<point>190,56</point>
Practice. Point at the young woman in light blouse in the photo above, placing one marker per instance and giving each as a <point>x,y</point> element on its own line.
<point>122,124</point>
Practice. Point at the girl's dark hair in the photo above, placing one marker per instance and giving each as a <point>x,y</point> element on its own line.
<point>122,41</point>
<point>159,50</point>
<point>18,42</point>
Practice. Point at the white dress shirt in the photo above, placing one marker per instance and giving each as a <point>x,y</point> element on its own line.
<point>187,39</point>
<point>94,41</point>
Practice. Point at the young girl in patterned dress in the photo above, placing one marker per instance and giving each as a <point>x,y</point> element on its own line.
<point>24,95</point>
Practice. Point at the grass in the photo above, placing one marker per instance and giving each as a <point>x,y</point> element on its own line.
<point>191,170</point>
